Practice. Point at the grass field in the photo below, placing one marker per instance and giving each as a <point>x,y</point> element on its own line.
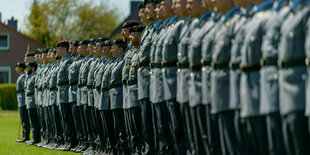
<point>8,134</point>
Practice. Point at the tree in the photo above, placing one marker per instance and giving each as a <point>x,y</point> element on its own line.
<point>52,20</point>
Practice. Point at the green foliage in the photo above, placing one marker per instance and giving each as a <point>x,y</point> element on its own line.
<point>52,20</point>
<point>8,100</point>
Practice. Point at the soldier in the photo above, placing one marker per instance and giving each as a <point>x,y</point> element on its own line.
<point>147,17</point>
<point>134,109</point>
<point>82,92</point>
<point>250,86</point>
<point>116,94</point>
<point>30,103</point>
<point>246,12</point>
<point>292,76</point>
<point>29,57</point>
<point>62,94</point>
<point>269,98</point>
<point>20,94</point>
<point>104,106</point>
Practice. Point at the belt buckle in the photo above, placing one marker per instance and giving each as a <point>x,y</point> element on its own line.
<point>280,64</point>
<point>262,62</point>
<point>307,61</point>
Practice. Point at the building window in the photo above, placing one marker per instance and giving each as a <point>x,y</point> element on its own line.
<point>4,41</point>
<point>5,74</point>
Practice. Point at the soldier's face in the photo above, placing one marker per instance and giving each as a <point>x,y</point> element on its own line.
<point>224,5</point>
<point>18,70</point>
<point>142,15</point>
<point>135,38</point>
<point>106,51</point>
<point>125,33</point>
<point>159,14</point>
<point>99,50</point>
<point>61,51</point>
<point>210,4</point>
<point>180,8</point>
<point>89,47</point>
<point>84,52</point>
<point>194,7</point>
<point>167,6</point>
<point>73,50</point>
<point>116,51</point>
<point>242,3</point>
<point>150,11</point>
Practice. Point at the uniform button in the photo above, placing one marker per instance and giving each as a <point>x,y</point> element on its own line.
<point>275,76</point>
<point>252,38</point>
<point>303,76</point>
<point>291,34</point>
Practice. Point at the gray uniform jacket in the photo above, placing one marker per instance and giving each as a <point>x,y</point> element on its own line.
<point>125,74</point>
<point>155,37</point>
<point>90,81</point>
<point>63,80</point>
<point>20,89</point>
<point>220,62</point>
<point>115,84</point>
<point>52,85</point>
<point>269,98</point>
<point>83,75</point>
<point>29,91</point>
<point>132,81</point>
<point>97,82</point>
<point>105,96</point>
<point>44,84</point>
<point>144,60</point>
<point>38,84</point>
<point>292,47</point>
<point>183,64</point>
<point>251,54</point>
<point>73,80</point>
<point>170,55</point>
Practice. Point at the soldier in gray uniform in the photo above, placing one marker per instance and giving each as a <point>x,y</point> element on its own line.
<point>134,109</point>
<point>30,103</point>
<point>251,53</point>
<point>269,101</point>
<point>125,70</point>
<point>116,95</point>
<point>20,94</point>
<point>82,92</point>
<point>161,118</point>
<point>147,16</point>
<point>292,78</point>
<point>104,105</point>
<point>62,94</point>
<point>246,12</point>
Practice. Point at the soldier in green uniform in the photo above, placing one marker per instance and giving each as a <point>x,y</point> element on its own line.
<point>20,94</point>
<point>62,94</point>
<point>30,103</point>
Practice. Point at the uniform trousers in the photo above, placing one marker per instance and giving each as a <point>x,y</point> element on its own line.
<point>135,128</point>
<point>69,123</point>
<point>295,133</point>
<point>120,129</point>
<point>147,110</point>
<point>34,123</point>
<point>275,138</point>
<point>188,128</point>
<point>23,113</point>
<point>57,124</point>
<point>89,124</point>
<point>77,121</point>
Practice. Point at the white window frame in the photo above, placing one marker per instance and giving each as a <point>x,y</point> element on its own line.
<point>8,69</point>
<point>8,47</point>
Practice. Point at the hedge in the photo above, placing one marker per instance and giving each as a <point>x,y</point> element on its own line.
<point>8,100</point>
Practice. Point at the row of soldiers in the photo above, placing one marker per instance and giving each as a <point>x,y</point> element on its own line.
<point>203,77</point>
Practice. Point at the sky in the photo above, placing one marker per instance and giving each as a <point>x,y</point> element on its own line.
<point>19,9</point>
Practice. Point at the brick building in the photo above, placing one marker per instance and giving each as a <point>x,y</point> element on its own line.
<point>13,46</point>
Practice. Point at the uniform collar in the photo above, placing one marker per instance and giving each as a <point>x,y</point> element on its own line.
<point>137,49</point>
<point>263,6</point>
<point>297,4</point>
<point>279,4</point>
<point>129,47</point>
<point>66,56</point>
<point>248,12</point>
<point>119,57</point>
<point>216,16</point>
<point>89,56</point>
<point>187,20</point>
<point>148,26</point>
<point>230,14</point>
<point>204,17</point>
<point>166,22</point>
<point>111,59</point>
<point>77,58</point>
<point>157,25</point>
<point>102,58</point>
<point>173,19</point>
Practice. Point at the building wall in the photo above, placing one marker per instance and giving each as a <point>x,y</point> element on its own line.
<point>17,48</point>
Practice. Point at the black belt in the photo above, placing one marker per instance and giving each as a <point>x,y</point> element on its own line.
<point>73,83</point>
<point>82,85</point>
<point>155,65</point>
<point>131,82</point>
<point>206,62</point>
<point>170,63</point>
<point>104,89</point>
<point>195,68</point>
<point>250,67</point>
<point>224,65</point>
<point>183,65</point>
<point>20,91</point>
<point>52,88</point>
<point>29,94</point>
<point>98,87</point>
<point>124,82</point>
<point>63,83</point>
<point>291,63</point>
<point>271,61</point>
<point>115,85</point>
<point>234,65</point>
<point>143,64</point>
<point>89,86</point>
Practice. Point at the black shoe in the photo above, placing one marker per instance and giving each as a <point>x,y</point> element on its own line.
<point>22,140</point>
<point>76,147</point>
<point>32,142</point>
<point>84,147</point>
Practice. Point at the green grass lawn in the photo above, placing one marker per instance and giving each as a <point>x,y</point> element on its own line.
<point>8,134</point>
